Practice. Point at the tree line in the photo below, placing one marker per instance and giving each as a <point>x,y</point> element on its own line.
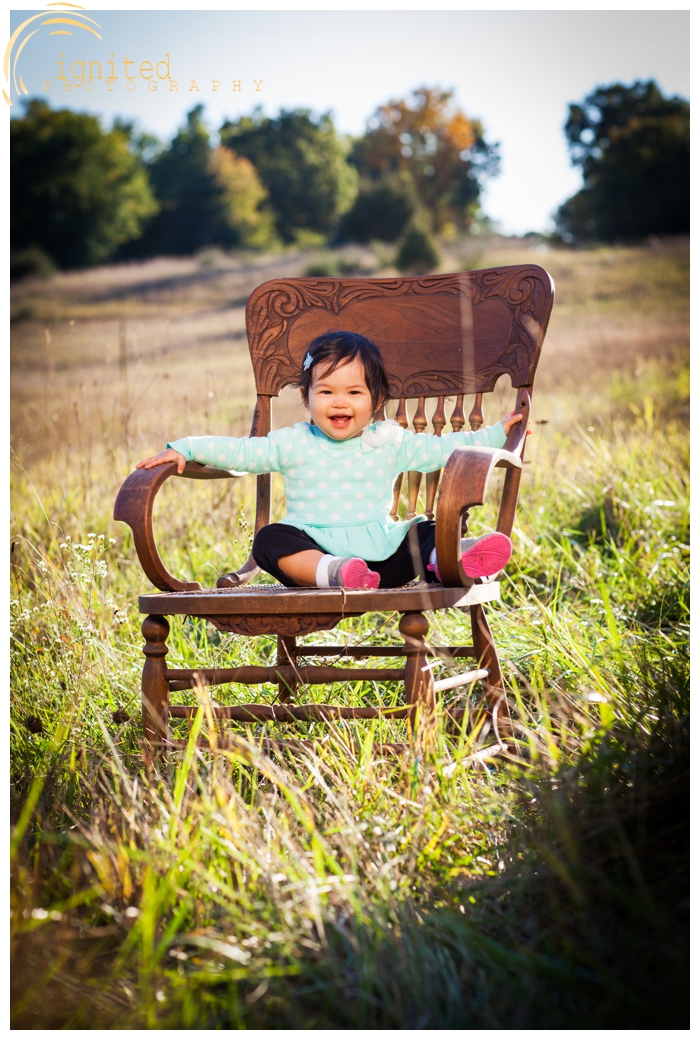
<point>81,194</point>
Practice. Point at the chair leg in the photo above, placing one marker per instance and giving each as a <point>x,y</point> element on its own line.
<point>155,691</point>
<point>287,655</point>
<point>420,688</point>
<point>487,657</point>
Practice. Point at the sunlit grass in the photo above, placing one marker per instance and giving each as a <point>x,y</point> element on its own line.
<point>342,886</point>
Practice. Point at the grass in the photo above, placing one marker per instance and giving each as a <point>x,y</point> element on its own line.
<point>343,888</point>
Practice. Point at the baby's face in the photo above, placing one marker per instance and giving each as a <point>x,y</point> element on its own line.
<point>340,402</point>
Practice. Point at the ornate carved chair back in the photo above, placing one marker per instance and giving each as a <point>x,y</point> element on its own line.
<point>441,336</point>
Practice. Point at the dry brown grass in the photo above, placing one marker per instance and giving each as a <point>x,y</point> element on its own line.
<point>109,362</point>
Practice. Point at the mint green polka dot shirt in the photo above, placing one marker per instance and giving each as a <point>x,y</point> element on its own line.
<point>340,492</point>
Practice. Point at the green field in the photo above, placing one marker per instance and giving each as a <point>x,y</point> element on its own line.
<point>344,889</point>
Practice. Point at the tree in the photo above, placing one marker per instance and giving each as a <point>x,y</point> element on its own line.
<point>243,198</point>
<point>77,191</point>
<point>302,164</point>
<point>208,196</point>
<point>441,149</point>
<point>633,147</point>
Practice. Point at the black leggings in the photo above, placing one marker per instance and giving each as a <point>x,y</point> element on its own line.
<point>408,562</point>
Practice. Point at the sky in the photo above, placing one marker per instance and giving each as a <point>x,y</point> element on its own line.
<point>515,70</point>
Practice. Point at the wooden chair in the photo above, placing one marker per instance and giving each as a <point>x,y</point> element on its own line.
<point>441,336</point>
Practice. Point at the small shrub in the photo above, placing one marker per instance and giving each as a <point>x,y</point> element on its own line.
<point>381,211</point>
<point>321,268</point>
<point>211,258</point>
<point>31,261</point>
<point>417,254</point>
<point>349,266</point>
<point>337,267</point>
<point>305,238</point>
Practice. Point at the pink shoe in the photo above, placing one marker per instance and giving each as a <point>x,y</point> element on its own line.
<point>482,556</point>
<point>352,574</point>
<point>486,555</point>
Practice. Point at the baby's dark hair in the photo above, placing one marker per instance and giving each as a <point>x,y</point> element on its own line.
<point>336,348</point>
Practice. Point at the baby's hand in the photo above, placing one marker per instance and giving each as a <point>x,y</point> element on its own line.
<point>169,455</point>
<point>510,420</point>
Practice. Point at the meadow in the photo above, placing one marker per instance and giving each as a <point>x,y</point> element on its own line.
<point>343,888</point>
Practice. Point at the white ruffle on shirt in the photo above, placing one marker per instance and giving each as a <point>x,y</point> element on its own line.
<point>384,433</point>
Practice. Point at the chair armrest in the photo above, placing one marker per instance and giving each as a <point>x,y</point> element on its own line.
<point>463,485</point>
<point>134,506</point>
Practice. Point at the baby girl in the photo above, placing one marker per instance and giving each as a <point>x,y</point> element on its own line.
<point>339,472</point>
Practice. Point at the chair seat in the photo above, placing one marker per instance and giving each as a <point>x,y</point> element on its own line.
<point>251,600</point>
<point>276,610</point>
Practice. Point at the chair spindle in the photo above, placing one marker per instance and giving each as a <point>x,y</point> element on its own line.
<point>476,416</point>
<point>457,417</point>
<point>414,482</point>
<point>401,415</point>
<point>402,419</point>
<point>433,479</point>
<point>457,421</point>
<point>439,419</point>
<point>420,421</point>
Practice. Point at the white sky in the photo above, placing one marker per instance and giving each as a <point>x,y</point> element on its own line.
<point>515,70</point>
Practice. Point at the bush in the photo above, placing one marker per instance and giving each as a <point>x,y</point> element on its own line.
<point>321,269</point>
<point>417,254</point>
<point>31,261</point>
<point>381,211</point>
<point>338,267</point>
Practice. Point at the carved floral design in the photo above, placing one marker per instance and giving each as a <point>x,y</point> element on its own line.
<point>274,624</point>
<point>525,290</point>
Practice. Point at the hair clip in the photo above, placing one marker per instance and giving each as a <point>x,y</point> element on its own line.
<point>308,361</point>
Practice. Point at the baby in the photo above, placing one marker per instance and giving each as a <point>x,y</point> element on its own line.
<point>339,472</point>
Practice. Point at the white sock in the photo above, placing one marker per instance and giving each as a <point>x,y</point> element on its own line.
<point>324,563</point>
<point>433,557</point>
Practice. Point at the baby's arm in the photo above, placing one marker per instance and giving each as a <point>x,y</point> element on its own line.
<point>244,454</point>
